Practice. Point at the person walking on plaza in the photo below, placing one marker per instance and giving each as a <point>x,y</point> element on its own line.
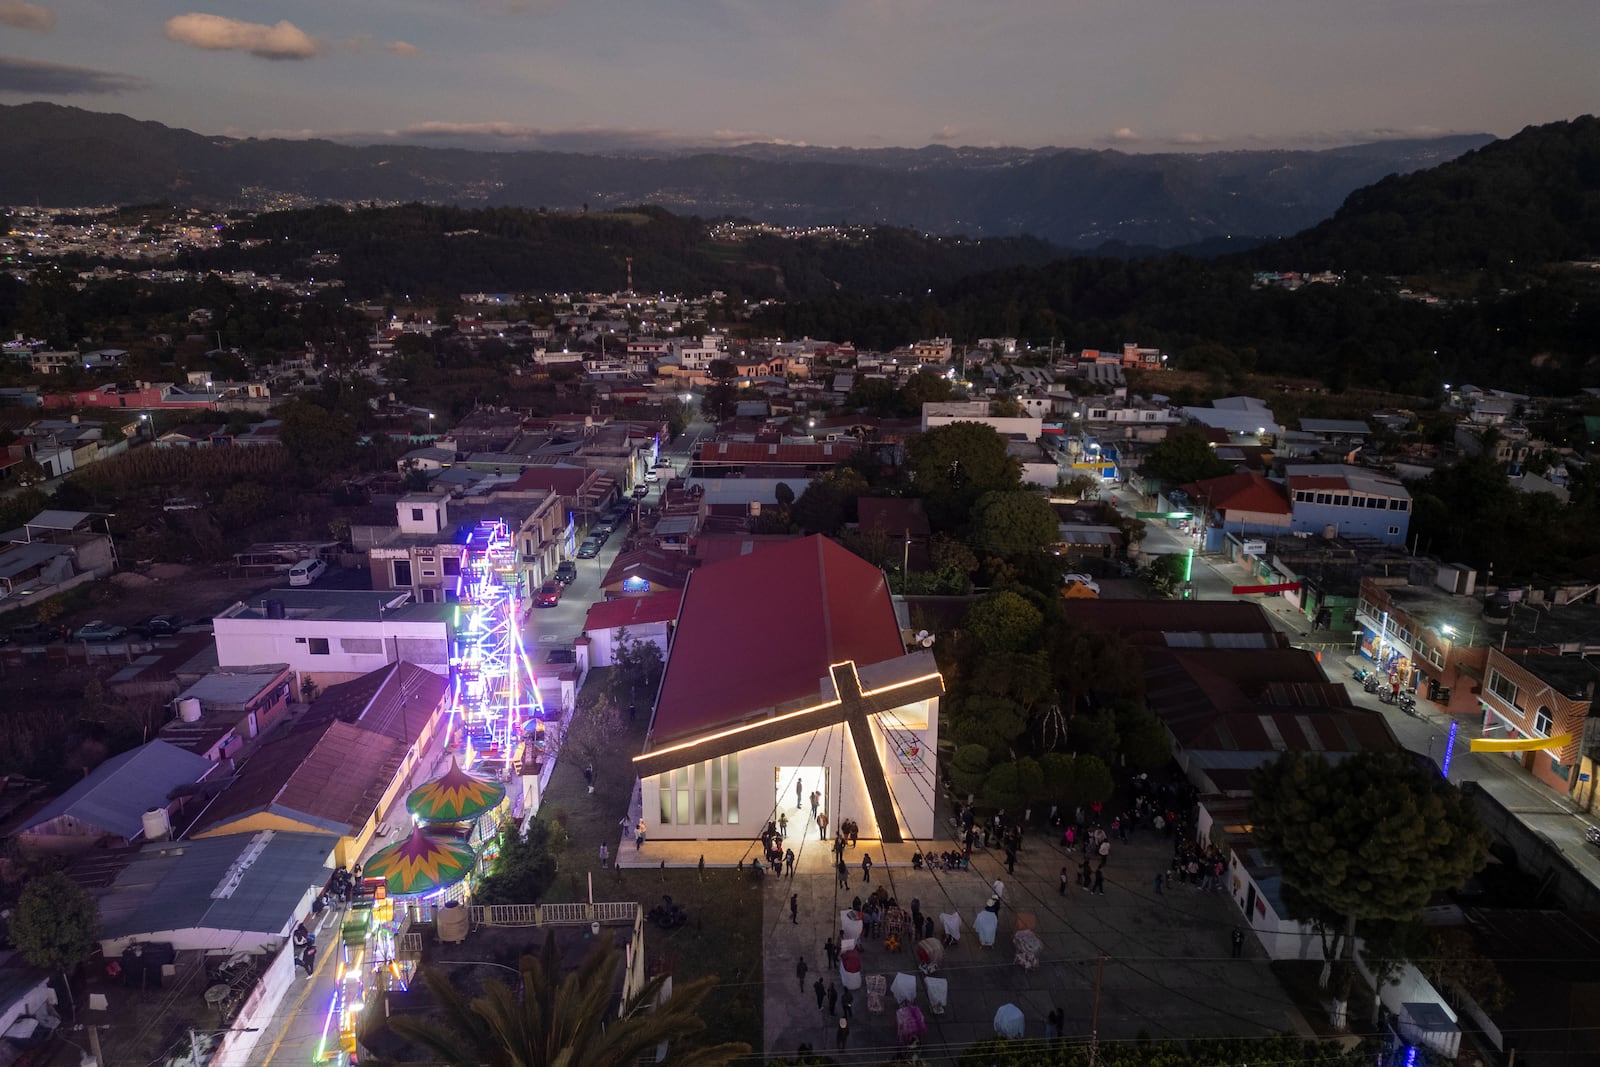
<point>788,861</point>
<point>820,990</point>
<point>308,957</point>
<point>1061,891</point>
<point>1158,881</point>
<point>844,875</point>
<point>833,999</point>
<point>866,867</point>
<point>783,824</point>
<point>846,1002</point>
<point>794,908</point>
<point>605,854</point>
<point>797,787</point>
<point>822,824</point>
<point>1011,861</point>
<point>1238,943</point>
<point>1100,881</point>
<point>830,950</point>
<point>800,972</point>
<point>638,837</point>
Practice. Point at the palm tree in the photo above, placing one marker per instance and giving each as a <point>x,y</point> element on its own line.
<point>566,1022</point>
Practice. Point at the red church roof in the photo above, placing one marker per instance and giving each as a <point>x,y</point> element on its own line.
<point>633,611</point>
<point>758,630</point>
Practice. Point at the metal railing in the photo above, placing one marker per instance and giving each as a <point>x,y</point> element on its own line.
<point>518,915</point>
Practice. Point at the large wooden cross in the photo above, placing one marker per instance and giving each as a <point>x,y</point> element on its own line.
<point>851,705</point>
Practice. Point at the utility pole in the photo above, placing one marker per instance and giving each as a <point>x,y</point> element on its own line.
<point>1094,1019</point>
<point>194,1049</point>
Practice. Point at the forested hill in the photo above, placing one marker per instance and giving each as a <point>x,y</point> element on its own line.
<point>1077,198</point>
<point>1527,201</point>
<point>422,249</point>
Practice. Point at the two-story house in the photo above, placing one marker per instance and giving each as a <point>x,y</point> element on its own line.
<point>1542,698</point>
<point>425,551</point>
<point>1352,502</point>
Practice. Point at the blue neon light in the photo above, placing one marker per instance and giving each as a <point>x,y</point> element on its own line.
<point>1449,750</point>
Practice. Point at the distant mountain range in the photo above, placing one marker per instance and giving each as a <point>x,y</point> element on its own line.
<point>1076,198</point>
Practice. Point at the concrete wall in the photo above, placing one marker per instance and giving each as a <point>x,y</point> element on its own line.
<point>1537,855</point>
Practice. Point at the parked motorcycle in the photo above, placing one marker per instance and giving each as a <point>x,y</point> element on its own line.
<point>1370,684</point>
<point>1361,674</point>
<point>1408,704</point>
<point>1591,834</point>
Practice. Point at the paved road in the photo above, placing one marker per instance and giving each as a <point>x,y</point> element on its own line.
<point>1553,816</point>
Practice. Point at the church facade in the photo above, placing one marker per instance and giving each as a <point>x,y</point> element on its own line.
<point>788,690</point>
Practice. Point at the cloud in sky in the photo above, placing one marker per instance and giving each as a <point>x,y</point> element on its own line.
<point>58,79</point>
<point>1122,135</point>
<point>282,40</point>
<point>21,15</point>
<point>401,48</point>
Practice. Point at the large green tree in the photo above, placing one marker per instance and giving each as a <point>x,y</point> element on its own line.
<point>952,466</point>
<point>1373,836</point>
<point>1014,523</point>
<point>567,1021</point>
<point>1185,456</point>
<point>1003,621</point>
<point>55,925</point>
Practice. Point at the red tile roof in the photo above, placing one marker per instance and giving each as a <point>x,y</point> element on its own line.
<point>633,611</point>
<point>662,569</point>
<point>1247,491</point>
<point>758,630</point>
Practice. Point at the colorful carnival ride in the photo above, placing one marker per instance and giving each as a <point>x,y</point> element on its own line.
<point>495,712</point>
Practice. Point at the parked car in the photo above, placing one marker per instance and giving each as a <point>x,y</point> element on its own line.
<point>99,630</point>
<point>307,571</point>
<point>34,633</point>
<point>651,476</point>
<point>549,594</point>
<point>567,572</point>
<point>159,626</point>
<point>604,526</point>
<point>641,491</point>
<point>589,549</point>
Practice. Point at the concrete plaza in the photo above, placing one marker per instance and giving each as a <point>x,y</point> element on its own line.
<point>1167,970</point>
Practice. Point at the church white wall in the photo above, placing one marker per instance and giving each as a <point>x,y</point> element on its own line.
<point>912,783</point>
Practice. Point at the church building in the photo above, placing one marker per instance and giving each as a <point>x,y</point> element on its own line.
<point>789,688</point>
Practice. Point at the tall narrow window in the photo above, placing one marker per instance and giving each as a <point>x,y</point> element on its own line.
<point>716,792</point>
<point>664,787</point>
<point>682,774</point>
<point>702,785</point>
<point>733,788</point>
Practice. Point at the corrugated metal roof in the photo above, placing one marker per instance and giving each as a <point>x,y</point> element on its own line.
<point>248,884</point>
<point>116,794</point>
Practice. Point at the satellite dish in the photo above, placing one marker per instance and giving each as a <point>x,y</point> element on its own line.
<point>925,639</point>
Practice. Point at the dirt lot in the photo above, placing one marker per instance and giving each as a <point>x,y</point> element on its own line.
<point>195,592</point>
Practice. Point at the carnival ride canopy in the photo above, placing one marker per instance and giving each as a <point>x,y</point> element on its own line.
<point>454,796</point>
<point>422,863</point>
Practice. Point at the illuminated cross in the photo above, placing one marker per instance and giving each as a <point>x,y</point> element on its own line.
<point>852,706</point>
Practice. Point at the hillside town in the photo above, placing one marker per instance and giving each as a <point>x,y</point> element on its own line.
<point>970,684</point>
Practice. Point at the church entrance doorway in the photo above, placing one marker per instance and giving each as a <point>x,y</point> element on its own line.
<point>802,794</point>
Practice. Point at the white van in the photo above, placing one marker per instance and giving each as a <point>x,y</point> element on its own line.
<point>306,571</point>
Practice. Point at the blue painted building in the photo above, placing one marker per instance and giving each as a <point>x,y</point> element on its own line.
<point>1353,502</point>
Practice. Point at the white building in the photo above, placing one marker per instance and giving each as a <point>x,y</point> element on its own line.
<point>334,635</point>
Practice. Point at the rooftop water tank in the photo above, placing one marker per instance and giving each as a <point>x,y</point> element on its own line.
<point>189,709</point>
<point>274,609</point>
<point>157,826</point>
